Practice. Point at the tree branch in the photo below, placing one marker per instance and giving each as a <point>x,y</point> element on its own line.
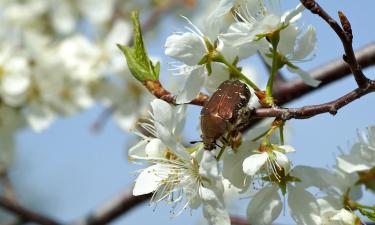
<point>114,209</point>
<point>24,214</point>
<point>346,36</point>
<point>327,74</point>
<point>313,110</point>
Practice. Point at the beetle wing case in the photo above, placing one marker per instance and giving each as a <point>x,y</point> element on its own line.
<point>222,110</point>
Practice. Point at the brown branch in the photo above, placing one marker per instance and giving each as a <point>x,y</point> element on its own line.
<point>24,214</point>
<point>345,35</point>
<point>236,220</point>
<point>158,91</point>
<point>313,110</point>
<point>9,192</point>
<point>327,74</point>
<point>114,209</point>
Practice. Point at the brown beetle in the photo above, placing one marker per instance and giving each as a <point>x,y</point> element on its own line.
<point>224,111</point>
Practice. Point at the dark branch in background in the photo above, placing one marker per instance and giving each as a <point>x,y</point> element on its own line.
<point>24,214</point>
<point>346,36</point>
<point>9,192</point>
<point>327,74</point>
<point>236,220</point>
<point>116,208</point>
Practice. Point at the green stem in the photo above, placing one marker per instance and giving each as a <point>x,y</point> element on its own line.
<point>274,69</point>
<point>281,130</point>
<point>365,206</point>
<point>238,73</point>
<point>221,152</point>
<point>261,135</point>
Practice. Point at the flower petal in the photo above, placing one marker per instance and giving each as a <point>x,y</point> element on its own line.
<point>304,208</point>
<point>305,44</point>
<point>265,206</point>
<point>212,191</point>
<point>192,86</point>
<point>252,164</point>
<point>187,48</point>
<point>163,113</point>
<point>138,150</point>
<point>305,76</point>
<point>232,164</point>
<point>155,148</point>
<point>148,180</point>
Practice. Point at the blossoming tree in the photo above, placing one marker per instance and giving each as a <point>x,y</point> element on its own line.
<point>52,65</point>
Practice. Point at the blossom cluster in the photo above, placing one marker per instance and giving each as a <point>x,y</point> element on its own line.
<point>188,176</point>
<point>58,58</point>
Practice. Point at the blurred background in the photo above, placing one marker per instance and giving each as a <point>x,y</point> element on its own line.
<point>79,162</point>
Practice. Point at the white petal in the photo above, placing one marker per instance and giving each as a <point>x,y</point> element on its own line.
<point>179,119</point>
<point>212,191</point>
<point>138,150</point>
<point>252,164</point>
<point>155,149</point>
<point>282,160</point>
<point>329,203</point>
<point>293,15</point>
<point>305,77</point>
<point>340,217</point>
<point>14,89</point>
<point>192,86</point>
<point>170,141</point>
<point>163,113</point>
<point>352,163</point>
<point>304,208</point>
<point>305,44</point>
<point>287,148</point>
<point>232,164</point>
<point>187,48</point>
<point>222,8</point>
<point>208,165</point>
<point>314,177</point>
<point>214,207</point>
<point>264,207</point>
<point>219,74</point>
<point>39,116</point>
<point>148,180</point>
<point>288,38</point>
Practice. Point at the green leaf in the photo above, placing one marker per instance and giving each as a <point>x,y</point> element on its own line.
<point>137,58</point>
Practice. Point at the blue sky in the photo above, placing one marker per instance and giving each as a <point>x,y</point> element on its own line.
<point>67,171</point>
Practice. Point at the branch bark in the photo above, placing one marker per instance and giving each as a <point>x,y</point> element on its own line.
<point>346,36</point>
<point>327,74</point>
<point>114,209</point>
<point>313,110</point>
<point>25,214</point>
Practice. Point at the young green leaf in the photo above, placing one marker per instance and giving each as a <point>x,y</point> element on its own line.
<point>138,61</point>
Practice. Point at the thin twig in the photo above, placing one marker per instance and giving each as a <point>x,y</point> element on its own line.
<point>25,214</point>
<point>345,35</point>
<point>313,110</point>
